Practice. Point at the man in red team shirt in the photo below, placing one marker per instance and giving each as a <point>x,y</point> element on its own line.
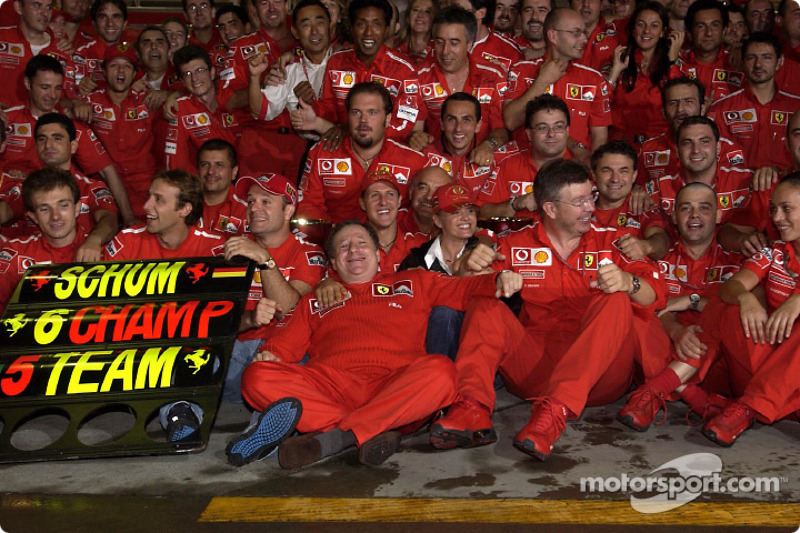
<point>370,60</point>
<point>358,386</point>
<point>461,121</point>
<point>43,79</point>
<point>599,51</point>
<point>559,72</point>
<point>55,144</point>
<point>694,268</point>
<point>788,20</point>
<point>52,200</point>
<point>201,116</point>
<point>418,218</point>
<point>756,115</point>
<point>578,293</point>
<point>174,206</point>
<point>698,145</point>
<point>510,192</point>
<point>123,121</point>
<point>288,268</point>
<point>201,14</point>
<point>489,45</point>
<point>110,17</point>
<point>331,182</point>
<point>532,14</point>
<point>707,60</point>
<point>455,70</point>
<point>506,17</point>
<point>224,213</point>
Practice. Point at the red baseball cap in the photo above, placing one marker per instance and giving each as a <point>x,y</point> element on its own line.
<point>377,176</point>
<point>120,50</point>
<point>450,198</point>
<point>271,183</point>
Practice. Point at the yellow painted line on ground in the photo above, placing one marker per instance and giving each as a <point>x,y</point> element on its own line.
<point>497,511</point>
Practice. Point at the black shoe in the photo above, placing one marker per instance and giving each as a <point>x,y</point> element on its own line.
<point>182,423</point>
<point>274,425</point>
<point>379,448</point>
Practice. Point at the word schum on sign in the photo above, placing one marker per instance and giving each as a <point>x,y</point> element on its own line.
<point>80,339</point>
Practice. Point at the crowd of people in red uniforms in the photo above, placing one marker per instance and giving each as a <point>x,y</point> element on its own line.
<point>648,153</point>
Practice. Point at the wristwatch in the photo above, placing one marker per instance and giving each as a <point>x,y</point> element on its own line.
<point>269,264</point>
<point>636,285</point>
<point>694,300</point>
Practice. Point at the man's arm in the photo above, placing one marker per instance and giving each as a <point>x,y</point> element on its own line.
<point>550,72</point>
<point>105,227</point>
<point>599,136</point>
<point>114,182</point>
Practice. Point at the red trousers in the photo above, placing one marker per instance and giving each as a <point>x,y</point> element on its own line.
<point>265,150</point>
<point>590,363</point>
<point>765,376</point>
<point>366,403</point>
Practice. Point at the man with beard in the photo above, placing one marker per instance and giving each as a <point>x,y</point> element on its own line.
<point>331,182</point>
<point>224,213</point>
<point>756,115</point>
<point>532,15</point>
<point>506,16</point>
<point>559,72</point>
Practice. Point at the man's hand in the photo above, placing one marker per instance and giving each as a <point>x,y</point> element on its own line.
<point>754,243</point>
<point>676,38</point>
<point>639,201</point>
<point>156,99</point>
<point>552,70</point>
<point>89,252</point>
<point>264,312</point>
<point>328,292</point>
<point>611,279</point>
<point>257,65</point>
<point>764,178</point>
<point>480,259</point>
<point>303,118</point>
<point>525,202</point>
<point>676,305</point>
<point>141,86</point>
<point>633,248</point>
<point>508,283</point>
<point>262,357</point>
<point>334,136</point>
<point>82,111</point>
<point>305,92</point>
<point>87,85</point>
<point>687,344</point>
<point>243,246</point>
<point>64,45</point>
<point>482,155</point>
<point>419,140</point>
<point>779,325</point>
<point>170,108</point>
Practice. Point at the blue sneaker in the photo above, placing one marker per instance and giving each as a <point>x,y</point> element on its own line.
<point>276,423</point>
<point>182,423</point>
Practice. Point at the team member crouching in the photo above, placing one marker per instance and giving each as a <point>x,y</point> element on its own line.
<point>587,313</point>
<point>694,268</point>
<point>764,353</point>
<point>368,372</point>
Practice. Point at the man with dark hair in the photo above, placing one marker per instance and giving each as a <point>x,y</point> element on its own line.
<point>506,17</point>
<point>579,292</point>
<point>614,172</point>
<point>457,70</point>
<point>371,60</point>
<point>698,144</point>
<point>559,72</point>
<point>736,32</point>
<point>707,60</point>
<point>125,124</point>
<point>756,115</point>
<point>331,182</point>
<point>174,206</point>
<point>55,144</point>
<point>760,16</point>
<point>461,122</point>
<point>201,116</point>
<point>110,17</point>
<point>357,387</point>
<point>509,193</point>
<point>532,14</point>
<point>599,51</point>
<point>43,79</point>
<point>152,47</point>
<point>224,213</point>
<point>273,21</point>
<point>788,20</point>
<point>52,200</point>
<point>200,15</point>
<point>680,98</point>
<point>489,45</point>
<point>232,23</point>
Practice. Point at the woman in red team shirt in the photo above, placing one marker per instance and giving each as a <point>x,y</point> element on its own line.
<point>639,71</point>
<point>416,36</point>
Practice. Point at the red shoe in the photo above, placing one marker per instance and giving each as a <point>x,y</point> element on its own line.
<point>466,424</point>
<point>642,408</point>
<point>547,422</point>
<point>716,404</point>
<point>726,427</point>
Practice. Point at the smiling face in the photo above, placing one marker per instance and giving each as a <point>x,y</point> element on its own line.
<point>355,257</point>
<point>698,148</point>
<point>381,202</point>
<point>110,23</point>
<point>614,177</point>
<point>230,27</point>
<point>784,208</point>
<point>425,183</point>
<point>54,147</point>
<point>369,31</point>
<point>45,91</point>
<point>312,28</point>
<point>460,224</point>
<point>695,214</point>
<point>420,16</point>
<point>532,18</point>
<point>505,15</point>
<point>200,14</point>
<point>271,13</point>
<point>197,78</point>
<point>175,34</point>
<point>548,133</point>
<point>267,213</point>
<point>569,36</point>
<point>451,47</point>
<point>215,170</point>
<point>459,126</point>
<point>647,30</point>
<point>56,214</point>
<point>572,213</point>
<point>162,210</point>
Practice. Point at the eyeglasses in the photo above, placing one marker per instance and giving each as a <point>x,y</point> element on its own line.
<point>582,202</point>
<point>189,74</point>
<point>202,7</point>
<point>575,33</point>
<point>544,129</point>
